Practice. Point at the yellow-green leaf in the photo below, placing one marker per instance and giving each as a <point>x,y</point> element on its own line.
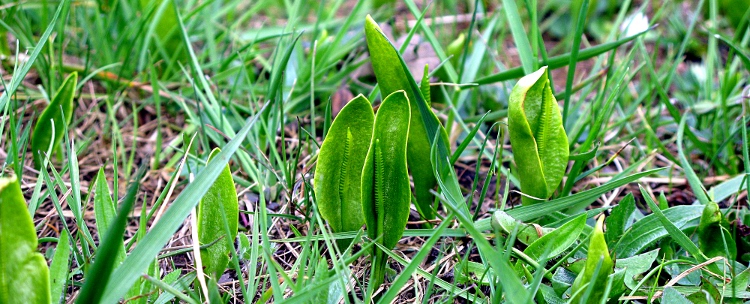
<point>385,180</point>
<point>537,136</point>
<point>392,77</point>
<point>58,113</point>
<point>218,205</point>
<point>24,277</point>
<point>338,174</point>
<point>598,256</point>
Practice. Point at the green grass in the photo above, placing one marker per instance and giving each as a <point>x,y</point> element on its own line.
<point>657,127</point>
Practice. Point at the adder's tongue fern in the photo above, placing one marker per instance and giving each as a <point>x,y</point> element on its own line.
<point>392,77</point>
<point>537,136</point>
<point>385,181</point>
<point>338,174</point>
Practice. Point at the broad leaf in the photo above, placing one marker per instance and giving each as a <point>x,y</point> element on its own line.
<point>392,77</point>
<point>385,180</point>
<point>636,265</point>
<point>105,211</point>
<point>24,277</point>
<point>537,137</point>
<point>338,174</point>
<point>218,205</point>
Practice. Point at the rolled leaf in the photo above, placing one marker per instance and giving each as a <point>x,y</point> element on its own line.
<point>59,112</point>
<point>598,256</point>
<point>24,277</point>
<point>217,206</point>
<point>338,174</point>
<point>385,180</point>
<point>392,77</point>
<point>537,136</point>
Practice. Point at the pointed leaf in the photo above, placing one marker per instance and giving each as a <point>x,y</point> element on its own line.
<point>619,219</point>
<point>217,206</point>
<point>598,254</point>
<point>558,240</point>
<point>392,77</point>
<point>105,211</point>
<point>59,112</point>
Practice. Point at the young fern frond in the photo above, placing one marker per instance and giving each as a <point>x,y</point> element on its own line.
<point>537,136</point>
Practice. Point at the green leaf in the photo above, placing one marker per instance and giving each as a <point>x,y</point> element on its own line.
<point>165,28</point>
<point>598,254</point>
<point>141,257</point>
<point>636,265</point>
<point>619,219</point>
<point>671,295</point>
<point>675,233</point>
<point>104,210</point>
<point>385,180</point>
<point>556,242</point>
<point>100,272</point>
<point>713,233</point>
<point>19,74</point>
<point>520,37</point>
<point>338,174</point>
<point>58,114</point>
<point>392,77</point>
<point>217,206</point>
<point>24,277</point>
<point>692,178</point>
<point>537,136</point>
<point>649,229</point>
<point>59,268</point>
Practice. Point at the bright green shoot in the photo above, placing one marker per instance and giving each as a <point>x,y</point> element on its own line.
<point>537,137</point>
